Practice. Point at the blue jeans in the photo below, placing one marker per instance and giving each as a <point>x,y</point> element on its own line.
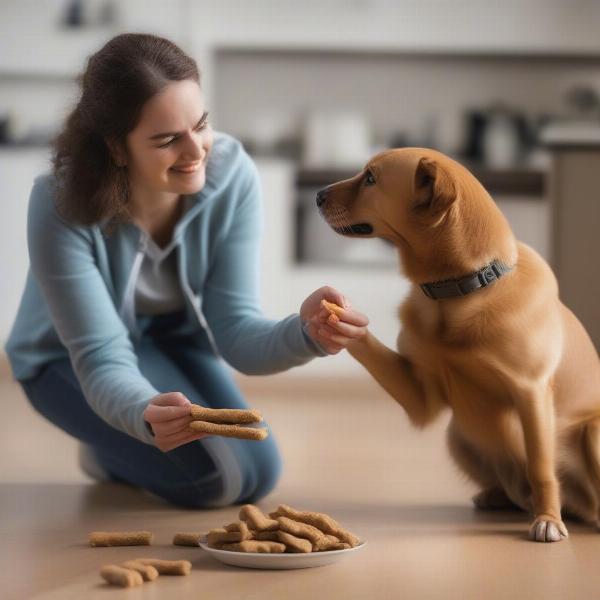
<point>213,471</point>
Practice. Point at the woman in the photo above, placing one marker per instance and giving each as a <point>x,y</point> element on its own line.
<point>143,246</point>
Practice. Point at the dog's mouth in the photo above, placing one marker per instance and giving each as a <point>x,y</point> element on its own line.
<point>356,229</point>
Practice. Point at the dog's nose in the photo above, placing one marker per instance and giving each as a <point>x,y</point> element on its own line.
<point>321,197</point>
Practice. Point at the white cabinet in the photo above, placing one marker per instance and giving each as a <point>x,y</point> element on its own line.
<point>18,169</point>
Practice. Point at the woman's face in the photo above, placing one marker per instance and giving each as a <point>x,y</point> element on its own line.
<point>167,150</point>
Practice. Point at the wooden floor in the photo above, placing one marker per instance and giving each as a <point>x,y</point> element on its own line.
<point>348,451</point>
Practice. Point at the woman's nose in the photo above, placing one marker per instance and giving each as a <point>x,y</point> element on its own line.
<point>193,148</point>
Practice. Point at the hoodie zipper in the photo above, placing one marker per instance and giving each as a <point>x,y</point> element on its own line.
<point>128,306</point>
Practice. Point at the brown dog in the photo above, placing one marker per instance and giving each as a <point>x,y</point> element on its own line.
<point>483,333</point>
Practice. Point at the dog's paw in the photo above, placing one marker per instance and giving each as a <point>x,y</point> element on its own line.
<point>547,529</point>
<point>493,499</point>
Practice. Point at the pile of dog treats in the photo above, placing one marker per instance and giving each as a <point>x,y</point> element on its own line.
<point>284,530</point>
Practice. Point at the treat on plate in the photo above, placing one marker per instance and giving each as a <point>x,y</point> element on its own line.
<point>319,520</point>
<point>256,519</point>
<point>287,530</point>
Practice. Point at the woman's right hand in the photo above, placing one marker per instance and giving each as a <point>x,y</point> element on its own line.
<point>169,416</point>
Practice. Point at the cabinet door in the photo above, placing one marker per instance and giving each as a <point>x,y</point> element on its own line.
<point>18,169</point>
<point>576,229</point>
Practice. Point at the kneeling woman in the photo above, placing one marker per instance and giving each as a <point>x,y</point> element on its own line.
<point>143,244</point>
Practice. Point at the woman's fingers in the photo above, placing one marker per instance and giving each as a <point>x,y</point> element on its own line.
<point>157,414</point>
<point>170,399</point>
<point>172,426</point>
<point>339,327</point>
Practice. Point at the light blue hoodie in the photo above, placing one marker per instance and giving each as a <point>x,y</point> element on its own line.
<point>79,294</point>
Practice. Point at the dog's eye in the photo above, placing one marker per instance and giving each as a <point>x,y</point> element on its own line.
<point>369,179</point>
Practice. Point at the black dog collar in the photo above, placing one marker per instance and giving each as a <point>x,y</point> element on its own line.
<point>451,288</point>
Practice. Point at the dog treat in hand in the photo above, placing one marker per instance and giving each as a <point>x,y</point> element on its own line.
<point>319,520</point>
<point>225,415</point>
<point>255,546</point>
<point>120,538</point>
<point>333,308</point>
<point>148,572</point>
<point>234,431</point>
<point>187,539</point>
<point>121,576</point>
<point>256,519</point>
<point>167,567</point>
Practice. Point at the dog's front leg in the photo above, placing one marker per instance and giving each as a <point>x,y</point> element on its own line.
<point>396,375</point>
<point>536,411</point>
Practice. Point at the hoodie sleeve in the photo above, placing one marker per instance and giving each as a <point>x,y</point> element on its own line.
<point>247,340</point>
<point>84,315</point>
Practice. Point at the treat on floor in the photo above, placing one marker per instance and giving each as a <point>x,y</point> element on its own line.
<point>120,538</point>
<point>167,567</point>
<point>187,539</point>
<point>234,431</point>
<point>121,576</point>
<point>225,415</point>
<point>256,519</point>
<point>148,572</point>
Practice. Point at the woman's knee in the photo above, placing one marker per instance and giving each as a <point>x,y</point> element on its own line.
<point>244,472</point>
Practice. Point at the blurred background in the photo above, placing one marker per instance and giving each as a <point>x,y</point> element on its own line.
<point>313,89</point>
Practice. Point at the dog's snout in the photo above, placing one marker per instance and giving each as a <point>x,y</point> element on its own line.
<point>321,197</point>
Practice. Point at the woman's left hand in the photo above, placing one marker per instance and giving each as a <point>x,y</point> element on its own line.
<point>330,333</point>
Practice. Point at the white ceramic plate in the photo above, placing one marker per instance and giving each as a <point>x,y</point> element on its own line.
<point>254,560</point>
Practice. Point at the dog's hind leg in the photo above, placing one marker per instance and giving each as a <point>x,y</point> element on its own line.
<point>492,495</point>
<point>591,453</point>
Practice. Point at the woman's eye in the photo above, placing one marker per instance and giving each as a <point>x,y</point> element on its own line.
<point>199,128</point>
<point>369,179</point>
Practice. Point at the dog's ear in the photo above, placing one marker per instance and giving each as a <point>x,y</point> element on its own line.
<point>434,189</point>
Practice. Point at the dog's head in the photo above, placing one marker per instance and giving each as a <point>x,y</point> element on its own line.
<point>421,201</point>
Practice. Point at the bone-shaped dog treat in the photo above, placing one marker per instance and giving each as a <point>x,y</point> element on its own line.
<point>291,542</point>
<point>334,309</point>
<point>320,541</point>
<point>225,415</point>
<point>234,431</point>
<point>167,567</point>
<point>216,537</point>
<point>319,520</point>
<point>148,572</point>
<point>120,538</point>
<point>256,519</point>
<point>262,547</point>
<point>241,527</point>
<point>116,575</point>
<point>187,539</point>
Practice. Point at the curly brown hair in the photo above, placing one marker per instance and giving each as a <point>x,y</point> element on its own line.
<point>116,83</point>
